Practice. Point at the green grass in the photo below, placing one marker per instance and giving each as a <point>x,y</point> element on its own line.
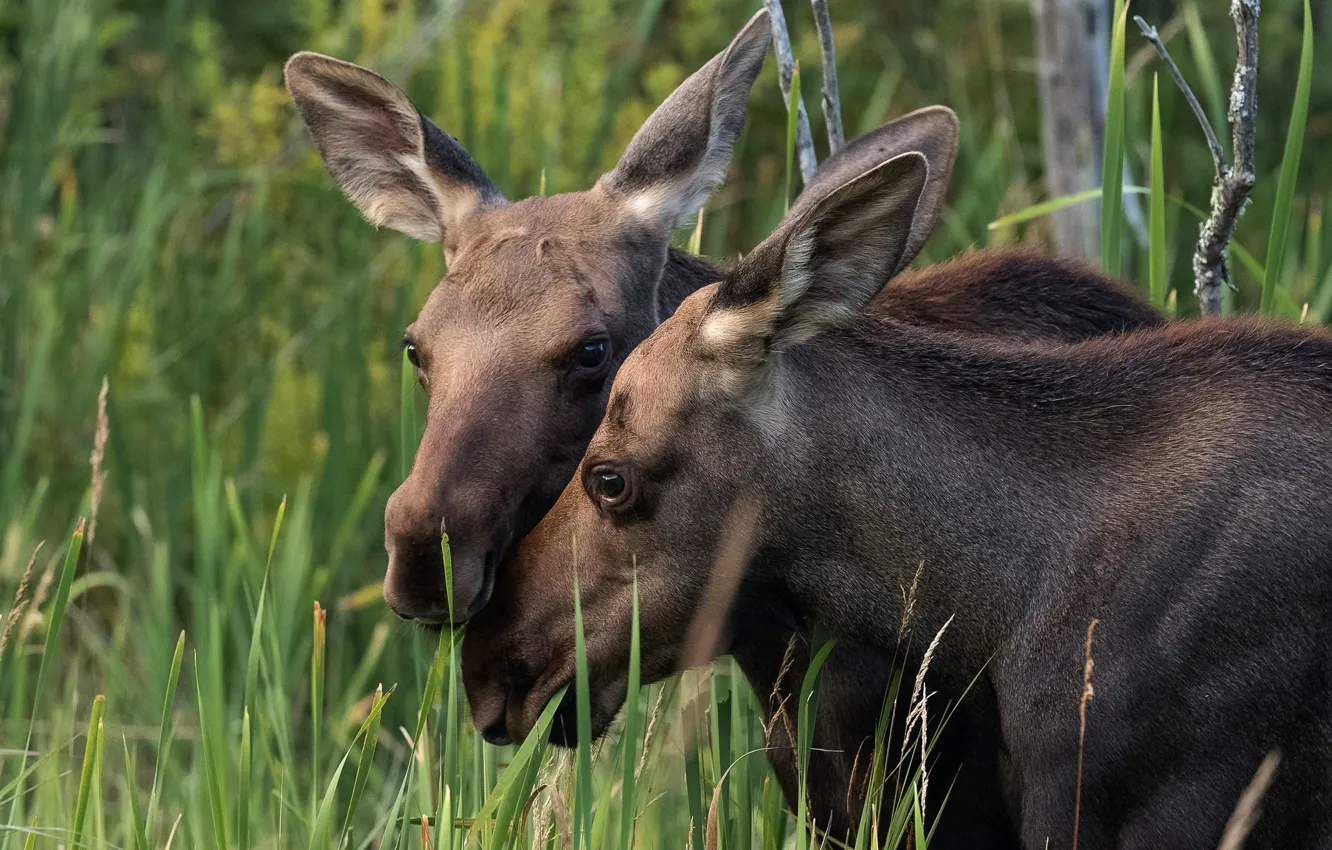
<point>164,223</point>
<point>1112,159</point>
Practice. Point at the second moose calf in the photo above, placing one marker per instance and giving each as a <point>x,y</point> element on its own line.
<point>1172,483</point>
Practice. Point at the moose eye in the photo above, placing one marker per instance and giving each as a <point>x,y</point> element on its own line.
<point>591,354</point>
<point>608,488</point>
<point>413,356</point>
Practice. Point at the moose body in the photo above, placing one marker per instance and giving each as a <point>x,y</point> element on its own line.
<point>1172,483</point>
<point>507,347</point>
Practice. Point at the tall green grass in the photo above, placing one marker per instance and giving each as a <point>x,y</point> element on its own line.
<point>165,223</point>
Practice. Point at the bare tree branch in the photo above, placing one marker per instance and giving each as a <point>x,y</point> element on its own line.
<point>832,102</point>
<point>781,45</point>
<point>1150,33</point>
<point>1233,182</point>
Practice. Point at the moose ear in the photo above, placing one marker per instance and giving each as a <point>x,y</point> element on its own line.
<point>824,262</point>
<point>680,155</point>
<point>932,132</point>
<point>398,168</point>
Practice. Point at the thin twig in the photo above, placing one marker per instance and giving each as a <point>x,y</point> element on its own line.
<point>1233,182</point>
<point>781,45</point>
<point>1150,33</point>
<point>832,102</point>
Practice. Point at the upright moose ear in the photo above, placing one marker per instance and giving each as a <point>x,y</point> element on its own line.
<point>680,155</point>
<point>931,132</point>
<point>398,168</point>
<point>824,262</point>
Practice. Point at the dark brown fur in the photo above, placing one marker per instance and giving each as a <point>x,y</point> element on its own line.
<point>508,422</point>
<point>1173,482</point>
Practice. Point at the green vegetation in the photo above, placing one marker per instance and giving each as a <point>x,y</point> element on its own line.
<point>165,224</point>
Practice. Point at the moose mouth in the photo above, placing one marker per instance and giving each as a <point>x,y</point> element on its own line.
<point>522,709</point>
<point>436,624</point>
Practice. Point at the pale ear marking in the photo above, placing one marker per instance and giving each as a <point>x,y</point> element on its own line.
<point>724,328</point>
<point>680,155</point>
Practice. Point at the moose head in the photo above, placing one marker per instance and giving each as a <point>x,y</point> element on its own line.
<point>675,468</point>
<point>544,297</point>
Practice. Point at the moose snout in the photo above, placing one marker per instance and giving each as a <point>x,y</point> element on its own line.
<point>500,667</point>
<point>416,585</point>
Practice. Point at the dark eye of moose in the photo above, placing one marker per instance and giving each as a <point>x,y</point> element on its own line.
<point>412,356</point>
<point>591,354</point>
<point>609,486</point>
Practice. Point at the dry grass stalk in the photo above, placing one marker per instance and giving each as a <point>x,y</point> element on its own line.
<point>855,766</point>
<point>777,701</point>
<point>1082,726</point>
<point>96,461</point>
<point>653,717</point>
<point>20,604</point>
<point>909,602</point>
<point>1246,812</point>
<point>919,713</point>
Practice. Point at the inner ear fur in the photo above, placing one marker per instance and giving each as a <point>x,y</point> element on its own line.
<point>392,163</point>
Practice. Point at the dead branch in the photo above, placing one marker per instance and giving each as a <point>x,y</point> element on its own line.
<point>1233,182</point>
<point>1149,32</point>
<point>781,45</point>
<point>832,102</point>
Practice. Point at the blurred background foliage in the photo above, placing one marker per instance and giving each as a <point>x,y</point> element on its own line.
<point>165,222</point>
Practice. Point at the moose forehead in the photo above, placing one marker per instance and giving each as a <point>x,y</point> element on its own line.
<point>652,388</point>
<point>544,263</point>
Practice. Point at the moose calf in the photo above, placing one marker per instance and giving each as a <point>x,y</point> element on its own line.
<point>1172,483</point>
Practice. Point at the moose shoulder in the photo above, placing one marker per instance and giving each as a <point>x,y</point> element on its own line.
<point>1172,483</point>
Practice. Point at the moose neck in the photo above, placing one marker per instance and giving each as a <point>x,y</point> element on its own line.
<point>682,274</point>
<point>912,466</point>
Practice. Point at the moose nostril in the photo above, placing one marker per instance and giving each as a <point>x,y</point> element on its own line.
<point>496,734</point>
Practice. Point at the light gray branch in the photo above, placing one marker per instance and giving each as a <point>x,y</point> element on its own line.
<point>781,45</point>
<point>832,102</point>
<point>1150,33</point>
<point>1233,182</point>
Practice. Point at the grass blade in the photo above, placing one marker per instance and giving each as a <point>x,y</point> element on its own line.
<point>364,764</point>
<point>165,734</point>
<point>1290,168</point>
<point>243,786</point>
<point>212,770</point>
<point>316,699</point>
<point>1112,158</point>
<point>583,789</point>
<point>530,750</point>
<point>132,792</point>
<point>49,652</point>
<point>1157,247</point>
<point>629,738</point>
<point>805,735</point>
<point>89,765</point>
<point>1045,208</point>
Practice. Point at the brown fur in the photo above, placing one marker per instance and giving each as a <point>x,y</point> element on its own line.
<point>529,281</point>
<point>1172,482</point>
